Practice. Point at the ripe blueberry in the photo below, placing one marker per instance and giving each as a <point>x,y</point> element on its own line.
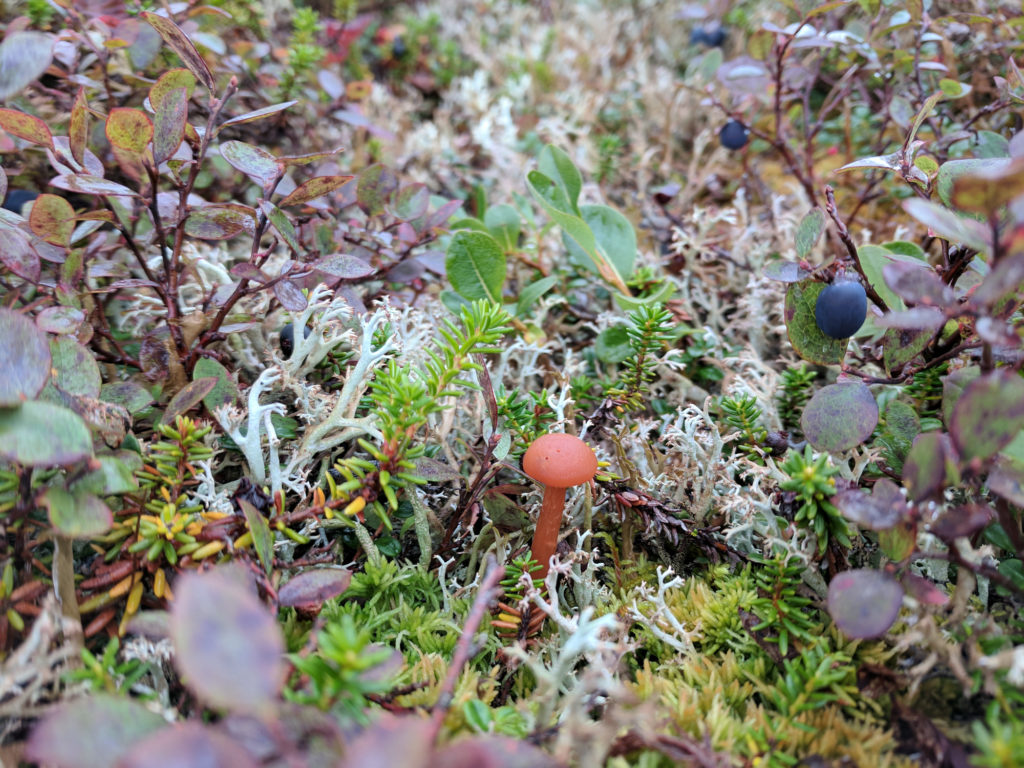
<point>841,309</point>
<point>16,199</point>
<point>288,339</point>
<point>733,135</point>
<point>712,38</point>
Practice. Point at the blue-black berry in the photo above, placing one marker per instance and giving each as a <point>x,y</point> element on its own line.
<point>16,199</point>
<point>713,38</point>
<point>288,338</point>
<point>841,309</point>
<point>733,135</point>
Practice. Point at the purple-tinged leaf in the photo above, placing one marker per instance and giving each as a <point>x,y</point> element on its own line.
<point>883,508</point>
<point>314,188</point>
<point>290,295</point>
<point>259,114</point>
<point>1007,480</point>
<point>922,590</point>
<point>930,466</point>
<point>40,434</point>
<point>953,384</point>
<point>91,732</point>
<point>917,284</point>
<point>27,127</point>
<point>492,751</point>
<point>928,319</point>
<point>248,271</point>
<point>343,265</point>
<point>1002,283</point>
<point>154,357</point>
<point>314,587</point>
<point>24,56</point>
<point>169,125</point>
<point>840,417</point>
<point>988,189</point>
<point>440,217</point>
<point>73,368</point>
<point>864,603</point>
<point>900,346</point>
<point>946,224</point>
<point>228,647</point>
<point>131,395</point>
<point>86,184</point>
<point>373,189</point>
<point>258,164</point>
<point>78,127</point>
<point>52,219</point>
<point>78,515</point>
<point>960,521</point>
<point>187,398</point>
<point>185,745</point>
<point>178,42</point>
<point>18,255</point>
<point>313,157</point>
<point>24,358</point>
<point>169,81</point>
<point>988,415</point>
<point>664,194</point>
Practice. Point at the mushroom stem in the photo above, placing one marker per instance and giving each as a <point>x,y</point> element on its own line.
<point>545,537</point>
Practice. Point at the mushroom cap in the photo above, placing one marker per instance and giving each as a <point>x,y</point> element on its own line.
<point>559,460</point>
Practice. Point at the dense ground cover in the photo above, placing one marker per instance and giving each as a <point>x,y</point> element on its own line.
<point>296,289</point>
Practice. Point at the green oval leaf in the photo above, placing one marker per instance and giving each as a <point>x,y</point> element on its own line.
<point>504,224</point>
<point>169,124</point>
<point>559,167</point>
<point>24,358</point>
<point>373,189</point>
<point>228,647</point>
<point>220,222</point>
<point>809,231</point>
<point>225,392</point>
<point>129,129</point>
<point>280,221</point>
<point>171,80</point>
<point>614,239</point>
<point>930,465</point>
<point>258,164</point>
<point>52,219</point>
<point>40,434</point>
<point>475,264</point>
<point>75,370</point>
<point>77,515</point>
<point>187,398</point>
<point>840,417</point>
<point>344,265</point>
<point>807,339</point>
<point>262,538</point>
<point>409,202</point>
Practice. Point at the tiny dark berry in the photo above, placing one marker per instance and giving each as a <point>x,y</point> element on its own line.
<point>16,199</point>
<point>733,135</point>
<point>288,339</point>
<point>713,38</point>
<point>841,309</point>
<point>398,48</point>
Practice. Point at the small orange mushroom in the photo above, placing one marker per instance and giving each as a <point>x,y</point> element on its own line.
<point>557,461</point>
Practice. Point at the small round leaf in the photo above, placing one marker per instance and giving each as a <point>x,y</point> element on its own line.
<point>840,417</point>
<point>24,358</point>
<point>807,339</point>
<point>40,434</point>
<point>988,414</point>
<point>864,603</point>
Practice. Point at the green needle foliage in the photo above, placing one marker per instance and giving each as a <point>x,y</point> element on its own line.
<point>649,331</point>
<point>811,478</point>
<point>783,612</point>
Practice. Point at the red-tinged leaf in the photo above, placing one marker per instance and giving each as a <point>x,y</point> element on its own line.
<point>922,590</point>
<point>917,284</point>
<point>248,271</point>
<point>259,114</point>
<point>930,465</point>
<point>314,188</point>
<point>24,56</point>
<point>169,81</point>
<point>27,127</point>
<point>169,125</point>
<point>181,45</point>
<point>282,224</point>
<point>227,645</point>
<point>91,732</point>
<point>188,397</point>
<point>290,295</point>
<point>988,414</point>
<point>258,164</point>
<point>880,510</point>
<point>962,521</point>
<point>314,587</point>
<point>154,358</point>
<point>373,189</point>
<point>220,222</point>
<point>18,255</point>
<point>24,358</point>
<point>917,319</point>
<point>440,217</point>
<point>53,219</point>
<point>87,184</point>
<point>62,160</point>
<point>129,129</point>
<point>78,127</point>
<point>343,265</point>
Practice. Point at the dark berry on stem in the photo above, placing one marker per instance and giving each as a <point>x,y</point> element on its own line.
<point>288,338</point>
<point>841,309</point>
<point>733,135</point>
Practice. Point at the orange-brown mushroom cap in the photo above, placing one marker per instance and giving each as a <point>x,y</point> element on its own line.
<point>559,460</point>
